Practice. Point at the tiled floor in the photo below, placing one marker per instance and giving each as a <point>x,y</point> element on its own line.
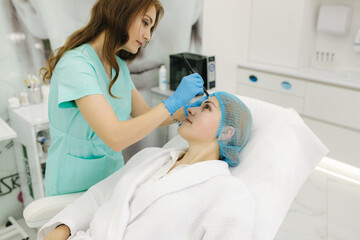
<point>326,208</point>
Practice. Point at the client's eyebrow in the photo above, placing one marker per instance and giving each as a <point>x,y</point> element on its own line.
<point>207,101</point>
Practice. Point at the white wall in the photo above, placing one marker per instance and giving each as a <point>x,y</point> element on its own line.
<point>225,35</point>
<point>342,46</point>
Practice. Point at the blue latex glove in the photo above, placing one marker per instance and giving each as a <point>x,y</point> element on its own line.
<point>189,87</point>
<point>194,104</point>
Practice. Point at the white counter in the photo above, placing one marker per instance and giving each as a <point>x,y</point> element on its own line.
<point>340,78</point>
<point>34,113</point>
<point>6,132</point>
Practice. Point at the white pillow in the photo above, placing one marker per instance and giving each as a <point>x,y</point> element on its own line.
<point>275,163</point>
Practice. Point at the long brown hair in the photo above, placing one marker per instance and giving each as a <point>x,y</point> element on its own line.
<point>114,17</point>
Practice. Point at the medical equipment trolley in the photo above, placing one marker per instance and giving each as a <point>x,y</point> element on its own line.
<point>31,124</point>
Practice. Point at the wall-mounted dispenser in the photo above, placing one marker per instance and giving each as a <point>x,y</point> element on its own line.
<point>334,19</point>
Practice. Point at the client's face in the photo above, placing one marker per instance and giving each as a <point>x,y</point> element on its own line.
<point>202,123</point>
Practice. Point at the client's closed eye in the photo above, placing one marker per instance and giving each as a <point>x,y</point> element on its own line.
<point>206,106</point>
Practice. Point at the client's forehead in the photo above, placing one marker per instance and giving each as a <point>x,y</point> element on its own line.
<point>214,100</point>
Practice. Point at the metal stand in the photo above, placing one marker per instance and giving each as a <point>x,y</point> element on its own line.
<point>12,229</point>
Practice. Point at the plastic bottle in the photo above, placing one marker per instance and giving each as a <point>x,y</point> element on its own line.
<point>162,77</point>
<point>24,98</point>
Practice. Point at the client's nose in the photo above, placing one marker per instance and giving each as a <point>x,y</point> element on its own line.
<point>192,111</point>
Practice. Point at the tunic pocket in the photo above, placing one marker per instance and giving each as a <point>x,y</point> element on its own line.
<point>79,174</point>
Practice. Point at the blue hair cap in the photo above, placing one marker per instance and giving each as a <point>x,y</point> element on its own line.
<point>235,127</point>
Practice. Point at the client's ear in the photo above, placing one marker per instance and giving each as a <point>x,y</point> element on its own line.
<point>226,133</point>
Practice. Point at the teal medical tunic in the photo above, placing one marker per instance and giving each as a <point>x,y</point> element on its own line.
<point>77,157</point>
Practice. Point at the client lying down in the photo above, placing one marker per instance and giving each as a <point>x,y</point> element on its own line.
<point>172,193</point>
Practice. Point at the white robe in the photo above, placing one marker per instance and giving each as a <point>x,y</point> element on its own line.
<point>200,201</point>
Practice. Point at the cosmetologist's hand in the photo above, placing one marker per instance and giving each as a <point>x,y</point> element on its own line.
<point>189,87</point>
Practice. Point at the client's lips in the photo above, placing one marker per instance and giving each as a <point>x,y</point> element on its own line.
<point>187,120</point>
